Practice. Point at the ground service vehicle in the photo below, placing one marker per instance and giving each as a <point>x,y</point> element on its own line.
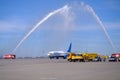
<point>104,58</point>
<point>112,59</point>
<point>92,56</point>
<point>75,57</point>
<point>89,56</point>
<point>9,56</point>
<point>117,55</point>
<point>97,59</point>
<point>119,59</point>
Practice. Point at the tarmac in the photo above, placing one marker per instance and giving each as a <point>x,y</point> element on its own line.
<point>46,69</point>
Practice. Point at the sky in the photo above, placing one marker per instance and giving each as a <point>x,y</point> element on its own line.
<point>77,25</point>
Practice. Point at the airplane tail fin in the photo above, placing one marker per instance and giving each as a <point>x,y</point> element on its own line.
<point>69,49</point>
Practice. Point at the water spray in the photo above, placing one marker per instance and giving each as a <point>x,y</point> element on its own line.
<point>89,8</point>
<point>63,9</point>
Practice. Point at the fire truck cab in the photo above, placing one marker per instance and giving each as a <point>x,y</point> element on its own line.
<point>9,56</point>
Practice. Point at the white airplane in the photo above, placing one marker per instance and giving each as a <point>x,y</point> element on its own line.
<point>58,54</point>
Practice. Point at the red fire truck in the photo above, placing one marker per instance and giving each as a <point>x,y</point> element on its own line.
<point>9,56</point>
<point>116,55</point>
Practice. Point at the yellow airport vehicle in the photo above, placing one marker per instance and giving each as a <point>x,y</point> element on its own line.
<point>92,56</point>
<point>89,56</point>
<point>85,56</point>
<point>75,57</point>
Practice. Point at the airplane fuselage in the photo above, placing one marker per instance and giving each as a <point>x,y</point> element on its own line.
<point>57,54</point>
